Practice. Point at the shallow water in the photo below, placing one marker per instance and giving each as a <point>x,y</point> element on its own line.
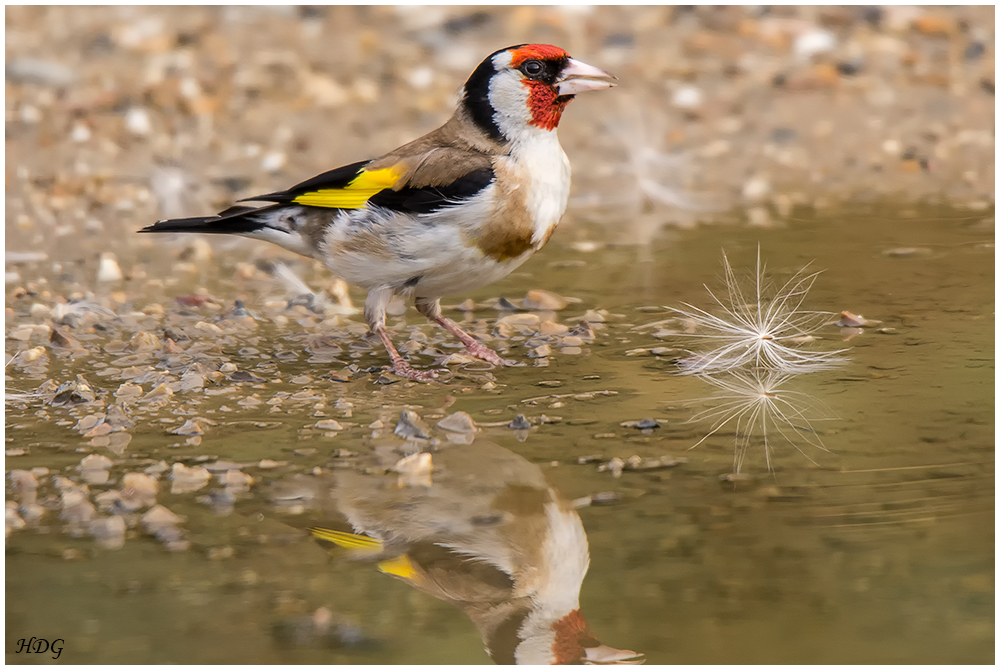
<point>882,551</point>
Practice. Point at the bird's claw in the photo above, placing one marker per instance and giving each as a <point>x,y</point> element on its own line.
<point>403,369</point>
<point>482,352</point>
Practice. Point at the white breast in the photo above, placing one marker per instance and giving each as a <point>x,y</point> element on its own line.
<point>541,165</point>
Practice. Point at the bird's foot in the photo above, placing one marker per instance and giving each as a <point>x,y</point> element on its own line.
<point>482,352</point>
<point>401,368</point>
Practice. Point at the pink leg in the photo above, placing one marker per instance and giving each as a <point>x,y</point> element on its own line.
<point>432,310</point>
<point>399,365</point>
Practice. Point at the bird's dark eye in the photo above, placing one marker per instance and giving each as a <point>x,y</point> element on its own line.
<point>532,68</point>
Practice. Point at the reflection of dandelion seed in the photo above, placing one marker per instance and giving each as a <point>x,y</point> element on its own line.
<point>762,331</point>
<point>761,408</point>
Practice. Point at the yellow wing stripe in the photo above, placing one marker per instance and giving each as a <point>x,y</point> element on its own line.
<point>355,195</point>
<point>346,540</point>
<point>401,567</point>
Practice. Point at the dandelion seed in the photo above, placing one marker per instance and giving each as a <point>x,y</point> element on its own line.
<point>761,410</point>
<point>759,329</point>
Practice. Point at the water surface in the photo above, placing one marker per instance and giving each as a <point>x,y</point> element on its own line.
<point>882,551</point>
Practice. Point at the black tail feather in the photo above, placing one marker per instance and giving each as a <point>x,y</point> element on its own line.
<point>233,221</point>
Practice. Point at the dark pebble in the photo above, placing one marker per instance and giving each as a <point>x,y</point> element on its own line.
<point>244,376</point>
<point>239,310</point>
<point>471,22</point>
<point>505,305</point>
<point>783,135</point>
<point>974,51</point>
<point>849,68</point>
<point>519,423</point>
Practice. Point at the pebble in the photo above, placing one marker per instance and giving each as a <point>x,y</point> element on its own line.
<point>108,532</point>
<point>189,427</point>
<point>188,480</point>
<point>138,490</point>
<point>12,520</point>
<point>553,328</point>
<point>329,424</point>
<point>848,320</point>
<point>544,300</point>
<point>814,42</point>
<point>108,270</point>
<point>411,426</point>
<point>540,351</point>
<point>519,423</point>
<point>688,98</point>
<point>144,342</point>
<point>414,470</point>
<point>458,422</point>
<point>45,73</point>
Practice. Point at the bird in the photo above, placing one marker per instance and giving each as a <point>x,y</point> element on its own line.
<point>485,532</point>
<point>456,209</point>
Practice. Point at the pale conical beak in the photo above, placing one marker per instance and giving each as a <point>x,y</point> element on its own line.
<point>577,77</point>
<point>605,655</point>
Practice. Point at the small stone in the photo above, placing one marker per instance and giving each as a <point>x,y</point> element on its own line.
<point>159,394</point>
<point>329,424</point>
<point>411,426</point>
<point>22,334</point>
<point>128,392</point>
<point>540,351</point>
<point>544,300</point>
<point>646,424</point>
<point>157,469</point>
<point>459,422</point>
<point>138,491</point>
<point>519,423</point>
<point>615,466</point>
<point>414,470</point>
<point>688,98</point>
<point>243,376</point>
<point>108,270</point>
<point>160,517</point>
<point>848,320</point>
<point>524,321</point>
<point>137,122</point>
<point>109,532</point>
<point>144,342</point>
<point>188,480</point>
<point>553,328</point>
<point>190,427</point>
<point>95,462</point>
<point>61,338</point>
<point>208,327</point>
<point>236,481</point>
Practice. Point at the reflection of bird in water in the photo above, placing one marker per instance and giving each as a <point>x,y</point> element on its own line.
<point>490,536</point>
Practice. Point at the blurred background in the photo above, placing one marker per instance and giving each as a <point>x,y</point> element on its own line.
<point>118,116</point>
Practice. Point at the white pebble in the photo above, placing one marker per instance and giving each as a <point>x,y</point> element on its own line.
<point>108,270</point>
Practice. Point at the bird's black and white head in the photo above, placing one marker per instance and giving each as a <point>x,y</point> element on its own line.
<point>527,87</point>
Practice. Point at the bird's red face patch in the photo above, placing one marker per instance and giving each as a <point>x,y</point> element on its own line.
<point>539,51</point>
<point>545,104</point>
<point>572,637</point>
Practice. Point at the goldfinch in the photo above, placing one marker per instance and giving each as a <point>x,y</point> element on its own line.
<point>489,535</point>
<point>456,209</point>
